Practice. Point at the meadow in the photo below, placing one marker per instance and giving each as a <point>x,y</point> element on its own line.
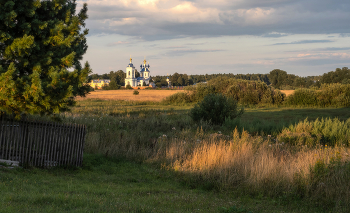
<point>149,156</point>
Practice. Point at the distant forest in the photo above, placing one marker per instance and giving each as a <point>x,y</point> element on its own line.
<point>277,78</point>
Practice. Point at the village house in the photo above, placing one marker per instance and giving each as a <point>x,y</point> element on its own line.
<point>99,83</point>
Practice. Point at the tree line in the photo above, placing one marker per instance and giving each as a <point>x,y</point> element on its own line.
<point>277,78</point>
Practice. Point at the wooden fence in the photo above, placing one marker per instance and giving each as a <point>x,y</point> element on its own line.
<point>42,144</point>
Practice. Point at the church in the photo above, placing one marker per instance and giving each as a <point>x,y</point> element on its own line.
<point>144,78</point>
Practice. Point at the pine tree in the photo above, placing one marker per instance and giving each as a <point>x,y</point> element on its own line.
<point>41,45</point>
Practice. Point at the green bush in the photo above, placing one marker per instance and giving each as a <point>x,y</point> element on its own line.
<point>243,91</point>
<point>128,87</point>
<point>303,97</point>
<point>336,95</point>
<point>136,92</point>
<point>215,108</point>
<point>178,98</point>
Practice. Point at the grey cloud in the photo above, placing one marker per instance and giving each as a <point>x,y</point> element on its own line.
<point>274,35</point>
<point>333,48</point>
<point>290,17</point>
<point>181,52</point>
<point>305,42</point>
<point>344,35</point>
<point>318,62</point>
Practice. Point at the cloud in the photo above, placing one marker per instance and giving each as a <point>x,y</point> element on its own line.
<point>117,43</point>
<point>274,35</point>
<point>165,19</point>
<point>333,48</point>
<point>181,52</point>
<point>306,42</point>
<point>314,58</point>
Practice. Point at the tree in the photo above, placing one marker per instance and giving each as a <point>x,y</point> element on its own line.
<point>174,78</point>
<point>278,77</point>
<point>41,43</point>
<point>181,81</point>
<point>120,77</point>
<point>336,76</point>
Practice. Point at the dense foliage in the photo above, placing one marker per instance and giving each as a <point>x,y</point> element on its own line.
<point>118,77</point>
<point>337,95</point>
<point>243,91</point>
<point>215,108</point>
<point>282,80</point>
<point>41,43</point>
<point>337,76</point>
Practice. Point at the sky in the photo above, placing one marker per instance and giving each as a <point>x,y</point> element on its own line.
<point>302,37</point>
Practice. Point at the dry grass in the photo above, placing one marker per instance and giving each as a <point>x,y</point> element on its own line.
<point>263,167</point>
<point>288,92</point>
<point>127,95</point>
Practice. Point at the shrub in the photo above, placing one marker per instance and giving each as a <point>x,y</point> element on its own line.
<point>178,98</point>
<point>303,97</point>
<point>136,92</point>
<point>215,108</point>
<point>128,87</point>
<point>243,91</point>
<point>337,95</point>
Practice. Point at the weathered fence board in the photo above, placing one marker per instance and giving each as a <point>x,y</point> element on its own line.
<point>42,144</point>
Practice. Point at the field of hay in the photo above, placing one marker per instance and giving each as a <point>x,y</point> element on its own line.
<point>287,92</point>
<point>127,95</point>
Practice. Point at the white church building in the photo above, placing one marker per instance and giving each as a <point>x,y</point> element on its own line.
<point>131,79</point>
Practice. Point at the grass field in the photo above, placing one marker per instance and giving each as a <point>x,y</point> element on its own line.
<point>287,92</point>
<point>127,95</point>
<point>145,156</point>
<point>116,185</point>
<point>145,95</point>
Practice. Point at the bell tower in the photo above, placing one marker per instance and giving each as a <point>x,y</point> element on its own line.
<point>130,75</point>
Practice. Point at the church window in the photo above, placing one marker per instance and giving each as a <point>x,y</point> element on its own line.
<point>129,73</point>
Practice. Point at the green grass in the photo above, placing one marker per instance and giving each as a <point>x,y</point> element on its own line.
<point>132,131</point>
<point>272,120</point>
<point>116,185</point>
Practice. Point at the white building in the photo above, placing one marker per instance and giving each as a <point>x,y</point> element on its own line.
<point>131,79</point>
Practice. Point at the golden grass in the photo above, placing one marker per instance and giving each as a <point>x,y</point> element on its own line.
<point>257,164</point>
<point>127,95</point>
<point>288,92</point>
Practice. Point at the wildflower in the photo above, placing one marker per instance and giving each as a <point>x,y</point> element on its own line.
<point>270,145</point>
<point>173,128</point>
<point>164,136</point>
<point>219,132</point>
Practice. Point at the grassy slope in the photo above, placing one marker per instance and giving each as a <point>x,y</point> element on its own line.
<point>110,185</point>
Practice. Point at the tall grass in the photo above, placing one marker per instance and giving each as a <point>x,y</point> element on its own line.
<point>254,165</point>
<point>331,132</point>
